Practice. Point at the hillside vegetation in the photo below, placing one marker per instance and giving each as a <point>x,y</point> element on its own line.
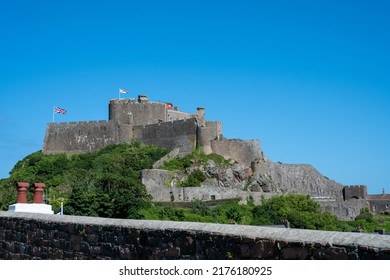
<point>107,183</point>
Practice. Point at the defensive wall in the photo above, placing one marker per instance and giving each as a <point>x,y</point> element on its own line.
<point>302,179</point>
<point>379,203</point>
<point>25,236</point>
<point>343,210</point>
<point>76,137</point>
<point>242,151</point>
<point>142,113</point>
<point>169,135</point>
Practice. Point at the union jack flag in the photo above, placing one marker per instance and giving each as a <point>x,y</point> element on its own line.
<point>59,110</point>
<point>121,90</point>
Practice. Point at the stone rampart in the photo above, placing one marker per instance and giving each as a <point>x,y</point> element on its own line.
<point>243,151</point>
<point>178,134</point>
<point>302,179</point>
<point>25,236</point>
<point>76,137</point>
<point>216,127</point>
<point>344,210</point>
<point>379,203</point>
<point>159,185</point>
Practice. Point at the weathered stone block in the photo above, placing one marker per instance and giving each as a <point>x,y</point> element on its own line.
<point>75,242</point>
<point>330,253</point>
<point>294,253</point>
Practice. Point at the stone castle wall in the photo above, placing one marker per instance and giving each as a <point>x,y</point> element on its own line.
<point>25,236</point>
<point>129,112</point>
<point>169,135</point>
<point>216,127</point>
<point>344,210</point>
<point>302,179</point>
<point>177,115</point>
<point>240,150</point>
<point>379,203</point>
<point>76,137</point>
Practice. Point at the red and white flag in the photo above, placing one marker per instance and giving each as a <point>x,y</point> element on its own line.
<point>58,110</point>
<point>122,91</point>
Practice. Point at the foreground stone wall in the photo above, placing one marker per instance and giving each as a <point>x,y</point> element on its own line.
<point>34,236</point>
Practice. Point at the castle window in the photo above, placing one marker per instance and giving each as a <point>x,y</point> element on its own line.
<point>387,206</point>
<point>374,208</point>
<point>212,197</point>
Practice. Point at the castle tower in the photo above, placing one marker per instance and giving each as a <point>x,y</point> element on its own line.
<point>200,113</point>
<point>119,111</point>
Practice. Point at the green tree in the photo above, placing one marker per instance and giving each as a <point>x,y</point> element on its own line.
<point>299,210</point>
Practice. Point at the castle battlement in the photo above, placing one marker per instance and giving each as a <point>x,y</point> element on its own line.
<point>355,192</point>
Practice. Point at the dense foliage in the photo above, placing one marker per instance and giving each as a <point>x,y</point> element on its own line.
<point>105,183</point>
<point>299,210</point>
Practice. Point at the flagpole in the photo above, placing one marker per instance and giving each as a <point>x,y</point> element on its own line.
<point>53,113</point>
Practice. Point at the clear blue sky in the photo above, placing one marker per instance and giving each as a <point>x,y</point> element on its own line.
<point>309,79</point>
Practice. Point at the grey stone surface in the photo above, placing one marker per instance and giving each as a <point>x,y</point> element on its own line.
<point>39,236</point>
<point>240,150</point>
<point>80,137</point>
<point>303,179</point>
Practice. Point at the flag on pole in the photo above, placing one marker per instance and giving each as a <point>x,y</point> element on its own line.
<point>122,91</point>
<point>58,110</point>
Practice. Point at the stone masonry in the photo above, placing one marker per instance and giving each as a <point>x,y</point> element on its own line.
<point>25,236</point>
